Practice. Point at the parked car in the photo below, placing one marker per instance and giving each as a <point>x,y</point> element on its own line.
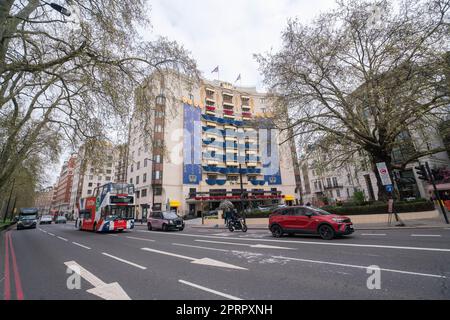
<point>308,220</point>
<point>45,219</point>
<point>165,221</point>
<point>60,219</point>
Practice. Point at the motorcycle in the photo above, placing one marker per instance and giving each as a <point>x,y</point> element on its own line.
<point>237,224</point>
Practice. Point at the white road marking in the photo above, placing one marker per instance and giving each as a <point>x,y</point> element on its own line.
<point>199,247</point>
<point>203,261</point>
<point>63,239</point>
<point>142,239</point>
<point>426,235</point>
<point>80,245</point>
<point>51,234</point>
<point>124,261</point>
<point>361,267</point>
<point>112,235</point>
<point>228,296</point>
<point>259,246</point>
<point>316,243</point>
<point>112,291</point>
<point>374,234</point>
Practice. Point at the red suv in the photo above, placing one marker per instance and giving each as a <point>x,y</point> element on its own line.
<point>308,220</point>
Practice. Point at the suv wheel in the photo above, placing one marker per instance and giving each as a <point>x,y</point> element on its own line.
<point>326,232</point>
<point>164,227</point>
<point>149,226</point>
<point>276,230</point>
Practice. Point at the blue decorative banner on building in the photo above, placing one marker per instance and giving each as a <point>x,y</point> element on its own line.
<point>192,145</point>
<point>270,156</point>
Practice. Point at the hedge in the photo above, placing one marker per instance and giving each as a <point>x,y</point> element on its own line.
<point>378,208</point>
<point>399,207</point>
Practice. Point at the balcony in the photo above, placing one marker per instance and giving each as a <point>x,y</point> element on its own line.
<point>228,105</point>
<point>246,115</point>
<point>228,114</point>
<point>337,186</point>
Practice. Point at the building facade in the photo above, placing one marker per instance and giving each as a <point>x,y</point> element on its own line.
<point>90,174</point>
<point>211,142</point>
<point>43,200</point>
<point>61,201</point>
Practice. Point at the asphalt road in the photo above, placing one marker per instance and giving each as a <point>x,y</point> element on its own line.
<point>199,264</point>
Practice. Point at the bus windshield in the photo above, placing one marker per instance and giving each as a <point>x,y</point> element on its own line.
<point>122,188</point>
<point>119,212</point>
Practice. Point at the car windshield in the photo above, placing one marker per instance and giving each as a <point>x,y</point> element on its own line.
<point>320,212</point>
<point>28,217</point>
<point>170,215</point>
<point>61,218</point>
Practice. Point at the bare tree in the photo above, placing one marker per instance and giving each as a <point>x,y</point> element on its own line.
<point>363,75</point>
<point>72,78</point>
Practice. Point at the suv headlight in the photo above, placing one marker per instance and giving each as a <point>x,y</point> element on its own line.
<point>170,221</point>
<point>339,220</point>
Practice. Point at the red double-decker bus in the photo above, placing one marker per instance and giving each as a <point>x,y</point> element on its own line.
<point>111,209</point>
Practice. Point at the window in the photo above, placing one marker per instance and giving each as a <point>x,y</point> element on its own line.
<point>158,128</point>
<point>137,180</point>
<point>90,184</point>
<point>338,193</point>
<point>91,177</point>
<point>108,171</point>
<point>145,163</point>
<point>92,170</point>
<point>144,178</point>
<point>89,191</point>
<point>131,168</point>
<point>335,182</point>
<point>139,152</point>
<point>99,178</point>
<point>137,194</point>
<point>110,165</point>
<point>158,191</point>
<point>143,193</point>
<point>157,175</point>
<point>108,178</point>
<point>138,165</point>
<point>329,182</point>
<point>131,180</point>
<point>110,158</point>
<point>157,158</point>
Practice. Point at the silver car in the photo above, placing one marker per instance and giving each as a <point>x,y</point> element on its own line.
<point>46,219</point>
<point>165,221</point>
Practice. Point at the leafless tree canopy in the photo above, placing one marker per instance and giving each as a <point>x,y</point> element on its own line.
<point>362,75</point>
<point>72,77</point>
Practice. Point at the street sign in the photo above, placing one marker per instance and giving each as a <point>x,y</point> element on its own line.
<point>390,188</point>
<point>384,173</point>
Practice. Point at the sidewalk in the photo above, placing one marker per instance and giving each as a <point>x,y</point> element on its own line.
<point>416,220</point>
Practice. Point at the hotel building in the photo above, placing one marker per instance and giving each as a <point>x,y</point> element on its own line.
<point>210,142</point>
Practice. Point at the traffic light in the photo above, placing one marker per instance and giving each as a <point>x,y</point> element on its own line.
<point>422,172</point>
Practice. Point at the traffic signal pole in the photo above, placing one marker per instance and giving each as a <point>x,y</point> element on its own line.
<point>436,192</point>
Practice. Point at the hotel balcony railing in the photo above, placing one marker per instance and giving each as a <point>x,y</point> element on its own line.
<point>246,115</point>
<point>210,108</point>
<point>228,112</point>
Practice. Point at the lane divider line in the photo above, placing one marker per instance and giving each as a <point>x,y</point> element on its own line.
<point>80,245</point>
<point>374,234</point>
<point>356,245</point>
<point>124,261</point>
<point>63,239</point>
<point>199,247</point>
<point>426,235</point>
<point>225,295</point>
<point>142,239</point>
<point>51,234</point>
<point>19,291</point>
<point>361,267</point>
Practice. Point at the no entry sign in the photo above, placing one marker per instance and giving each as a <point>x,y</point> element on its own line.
<point>384,174</point>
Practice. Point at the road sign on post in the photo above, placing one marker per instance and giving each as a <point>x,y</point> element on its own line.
<point>384,174</point>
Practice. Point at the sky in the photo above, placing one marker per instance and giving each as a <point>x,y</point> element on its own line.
<point>225,33</point>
